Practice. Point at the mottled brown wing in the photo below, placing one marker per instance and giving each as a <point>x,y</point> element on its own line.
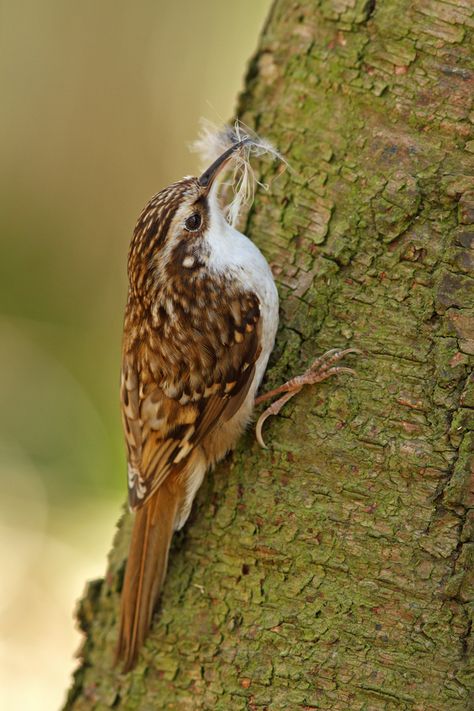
<point>161,430</point>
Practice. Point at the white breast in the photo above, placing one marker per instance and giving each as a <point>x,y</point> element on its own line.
<point>233,254</point>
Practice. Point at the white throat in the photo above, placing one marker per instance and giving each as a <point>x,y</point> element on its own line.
<point>232,254</point>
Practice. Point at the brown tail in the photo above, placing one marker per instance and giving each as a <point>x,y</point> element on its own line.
<point>145,572</point>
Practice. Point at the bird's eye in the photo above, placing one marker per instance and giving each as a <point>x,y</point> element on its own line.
<point>193,222</point>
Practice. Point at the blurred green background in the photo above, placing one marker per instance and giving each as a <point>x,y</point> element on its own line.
<point>99,103</point>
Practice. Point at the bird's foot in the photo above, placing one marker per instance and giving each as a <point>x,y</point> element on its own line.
<point>321,369</point>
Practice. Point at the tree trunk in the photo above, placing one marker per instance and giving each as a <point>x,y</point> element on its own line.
<point>335,570</point>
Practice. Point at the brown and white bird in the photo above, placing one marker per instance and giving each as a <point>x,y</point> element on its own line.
<point>200,323</point>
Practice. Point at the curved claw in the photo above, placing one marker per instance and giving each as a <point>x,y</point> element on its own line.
<point>274,409</point>
<point>258,429</point>
<point>332,356</point>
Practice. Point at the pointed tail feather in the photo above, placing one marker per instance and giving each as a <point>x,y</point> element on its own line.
<point>145,572</point>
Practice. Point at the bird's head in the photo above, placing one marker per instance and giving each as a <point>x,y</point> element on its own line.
<point>170,234</point>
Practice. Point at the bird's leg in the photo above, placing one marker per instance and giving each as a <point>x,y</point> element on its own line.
<point>321,369</point>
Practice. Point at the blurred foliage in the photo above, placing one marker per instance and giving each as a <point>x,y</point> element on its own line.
<point>99,102</point>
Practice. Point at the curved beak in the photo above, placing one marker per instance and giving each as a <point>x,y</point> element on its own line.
<point>207,178</point>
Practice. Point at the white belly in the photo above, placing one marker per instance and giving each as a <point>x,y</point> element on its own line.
<point>255,274</point>
<point>233,254</point>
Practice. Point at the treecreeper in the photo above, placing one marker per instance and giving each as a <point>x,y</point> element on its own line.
<point>200,324</point>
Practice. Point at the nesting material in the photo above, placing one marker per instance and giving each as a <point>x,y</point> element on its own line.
<point>213,141</point>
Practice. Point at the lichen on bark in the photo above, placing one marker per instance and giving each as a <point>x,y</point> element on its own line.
<point>335,570</point>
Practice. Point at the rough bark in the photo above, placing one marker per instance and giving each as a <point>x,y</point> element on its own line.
<point>335,570</point>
